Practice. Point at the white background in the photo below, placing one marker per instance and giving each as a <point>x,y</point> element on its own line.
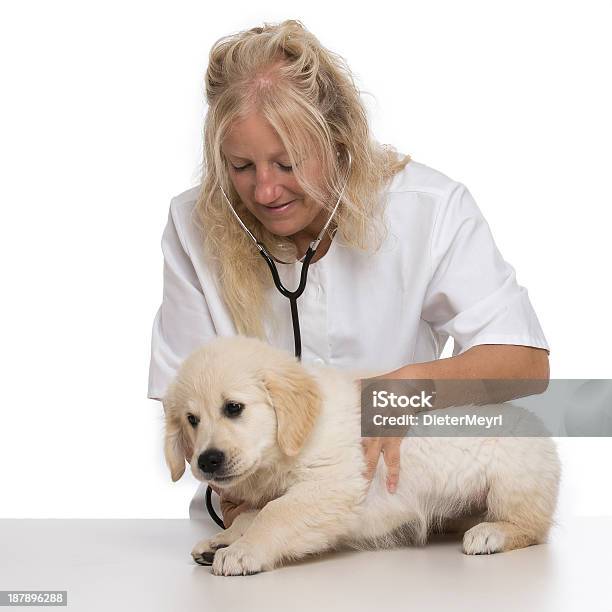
<point>100,123</point>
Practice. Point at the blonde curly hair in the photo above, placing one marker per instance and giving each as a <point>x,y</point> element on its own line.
<point>308,95</point>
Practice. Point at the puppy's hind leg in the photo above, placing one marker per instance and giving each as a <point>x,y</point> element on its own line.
<point>515,518</point>
<point>498,536</point>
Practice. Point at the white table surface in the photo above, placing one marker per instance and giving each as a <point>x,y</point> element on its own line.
<point>116,564</point>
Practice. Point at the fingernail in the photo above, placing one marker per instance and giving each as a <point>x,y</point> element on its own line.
<point>392,488</point>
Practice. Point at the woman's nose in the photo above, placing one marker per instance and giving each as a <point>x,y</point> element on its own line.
<point>267,186</point>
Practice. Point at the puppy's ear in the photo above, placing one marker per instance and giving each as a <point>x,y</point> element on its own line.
<point>177,446</point>
<point>296,398</point>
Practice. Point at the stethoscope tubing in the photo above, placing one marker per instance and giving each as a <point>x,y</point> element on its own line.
<point>292,295</point>
<point>297,339</point>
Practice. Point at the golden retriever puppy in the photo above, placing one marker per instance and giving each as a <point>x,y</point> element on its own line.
<point>286,438</point>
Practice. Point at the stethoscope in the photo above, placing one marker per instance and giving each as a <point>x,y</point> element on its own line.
<point>292,296</point>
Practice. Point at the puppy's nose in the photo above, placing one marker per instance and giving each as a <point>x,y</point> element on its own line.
<point>211,460</point>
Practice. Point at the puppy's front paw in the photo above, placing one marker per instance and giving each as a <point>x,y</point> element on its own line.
<point>204,551</point>
<point>483,539</point>
<point>237,560</point>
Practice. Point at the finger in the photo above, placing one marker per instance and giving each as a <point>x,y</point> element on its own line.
<point>229,516</point>
<point>228,512</point>
<point>230,503</point>
<point>372,447</point>
<point>227,502</point>
<point>391,455</point>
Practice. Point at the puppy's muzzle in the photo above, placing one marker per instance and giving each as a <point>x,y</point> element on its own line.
<point>211,461</point>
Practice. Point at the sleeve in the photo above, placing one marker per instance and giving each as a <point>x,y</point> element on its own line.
<point>183,320</point>
<point>473,295</point>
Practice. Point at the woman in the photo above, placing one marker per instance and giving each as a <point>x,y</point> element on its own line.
<point>407,261</point>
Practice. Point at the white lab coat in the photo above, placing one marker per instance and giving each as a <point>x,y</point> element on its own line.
<point>437,275</point>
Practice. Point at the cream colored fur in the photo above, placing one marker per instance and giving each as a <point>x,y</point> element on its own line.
<point>296,450</point>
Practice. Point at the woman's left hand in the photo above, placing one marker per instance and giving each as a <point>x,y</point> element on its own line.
<point>390,448</point>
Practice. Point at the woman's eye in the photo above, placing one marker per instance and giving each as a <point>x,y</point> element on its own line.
<point>233,409</point>
<point>283,168</point>
<point>193,420</point>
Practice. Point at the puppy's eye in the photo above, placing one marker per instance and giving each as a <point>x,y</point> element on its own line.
<point>233,409</point>
<point>193,420</point>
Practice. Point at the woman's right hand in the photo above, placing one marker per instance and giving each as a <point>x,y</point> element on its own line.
<point>230,507</point>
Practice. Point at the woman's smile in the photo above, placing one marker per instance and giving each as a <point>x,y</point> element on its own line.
<point>279,209</point>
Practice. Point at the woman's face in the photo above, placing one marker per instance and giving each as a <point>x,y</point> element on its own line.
<point>261,173</point>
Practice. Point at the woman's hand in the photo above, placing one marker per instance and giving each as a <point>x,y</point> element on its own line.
<point>390,448</point>
<point>230,507</point>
